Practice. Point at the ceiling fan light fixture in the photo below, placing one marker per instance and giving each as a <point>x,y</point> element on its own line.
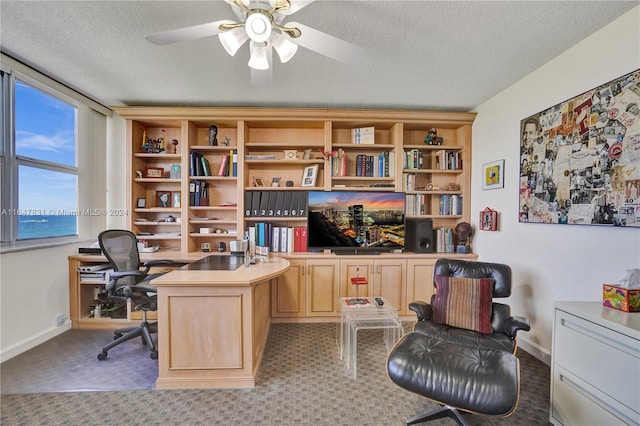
<point>233,39</point>
<point>258,27</point>
<point>258,59</point>
<point>285,48</point>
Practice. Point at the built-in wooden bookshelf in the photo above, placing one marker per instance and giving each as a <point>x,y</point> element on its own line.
<point>272,145</point>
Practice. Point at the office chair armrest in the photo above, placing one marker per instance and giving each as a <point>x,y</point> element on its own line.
<point>514,324</point>
<point>423,310</point>
<point>119,274</point>
<point>116,275</point>
<point>160,262</point>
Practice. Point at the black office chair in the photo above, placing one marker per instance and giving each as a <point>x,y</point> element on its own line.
<point>128,282</point>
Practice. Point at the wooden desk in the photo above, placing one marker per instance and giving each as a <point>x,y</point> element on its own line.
<point>81,294</point>
<point>213,325</point>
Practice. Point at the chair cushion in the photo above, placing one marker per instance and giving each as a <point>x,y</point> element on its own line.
<point>473,379</point>
<point>497,341</point>
<point>463,303</point>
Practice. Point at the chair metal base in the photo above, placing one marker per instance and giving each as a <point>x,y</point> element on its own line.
<point>144,330</point>
<point>439,413</point>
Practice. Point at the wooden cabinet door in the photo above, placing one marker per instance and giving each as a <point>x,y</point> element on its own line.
<point>288,290</point>
<point>389,282</point>
<point>322,288</point>
<point>420,280</point>
<point>350,268</point>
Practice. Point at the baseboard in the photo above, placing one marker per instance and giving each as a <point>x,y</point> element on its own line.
<point>534,350</point>
<point>33,341</point>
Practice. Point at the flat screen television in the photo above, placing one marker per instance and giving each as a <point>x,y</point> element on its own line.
<point>355,222</point>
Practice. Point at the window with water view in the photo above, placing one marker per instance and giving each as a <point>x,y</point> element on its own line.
<point>47,174</point>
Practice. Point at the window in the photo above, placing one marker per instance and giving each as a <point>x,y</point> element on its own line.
<point>45,146</point>
<point>53,161</point>
<point>38,160</point>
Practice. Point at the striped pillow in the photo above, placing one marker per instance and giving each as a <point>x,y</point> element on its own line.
<point>463,303</point>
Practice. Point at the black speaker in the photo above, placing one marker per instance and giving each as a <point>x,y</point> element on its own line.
<point>418,235</point>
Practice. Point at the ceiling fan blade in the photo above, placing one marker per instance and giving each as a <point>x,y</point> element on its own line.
<point>296,5</point>
<point>328,45</point>
<point>187,33</point>
<point>240,4</point>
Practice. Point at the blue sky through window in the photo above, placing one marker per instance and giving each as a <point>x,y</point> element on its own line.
<point>45,130</point>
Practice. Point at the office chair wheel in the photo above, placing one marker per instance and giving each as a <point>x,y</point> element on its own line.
<point>153,355</point>
<point>102,356</point>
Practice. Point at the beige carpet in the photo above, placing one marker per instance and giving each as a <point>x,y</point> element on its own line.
<point>301,382</point>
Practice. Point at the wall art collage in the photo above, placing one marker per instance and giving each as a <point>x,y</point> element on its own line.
<point>580,159</point>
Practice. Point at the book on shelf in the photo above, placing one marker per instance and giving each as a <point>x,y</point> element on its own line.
<point>206,167</point>
<point>450,204</point>
<point>448,160</point>
<point>198,193</point>
<point>234,163</point>
<point>444,240</point>
<point>224,163</point>
<point>363,135</point>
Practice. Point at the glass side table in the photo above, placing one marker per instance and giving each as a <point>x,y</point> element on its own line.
<point>366,315</point>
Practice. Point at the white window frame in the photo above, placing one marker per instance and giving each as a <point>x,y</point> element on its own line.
<point>13,70</point>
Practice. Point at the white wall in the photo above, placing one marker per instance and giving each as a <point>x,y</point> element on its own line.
<point>551,262</point>
<point>34,284</point>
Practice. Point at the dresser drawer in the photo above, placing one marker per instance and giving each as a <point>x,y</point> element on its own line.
<point>575,402</point>
<point>605,359</point>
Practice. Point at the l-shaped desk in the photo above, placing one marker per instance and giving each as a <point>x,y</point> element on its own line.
<point>213,324</point>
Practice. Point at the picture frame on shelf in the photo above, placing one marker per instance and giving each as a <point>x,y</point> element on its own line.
<point>141,203</point>
<point>493,175</point>
<point>310,175</point>
<point>257,181</point>
<point>163,198</point>
<point>276,181</point>
<point>176,199</point>
<point>154,172</point>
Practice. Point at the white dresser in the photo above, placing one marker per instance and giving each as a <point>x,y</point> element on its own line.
<point>595,365</point>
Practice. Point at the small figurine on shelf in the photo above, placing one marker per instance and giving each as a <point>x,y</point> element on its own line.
<point>213,135</point>
<point>172,148</point>
<point>432,138</point>
<point>226,141</point>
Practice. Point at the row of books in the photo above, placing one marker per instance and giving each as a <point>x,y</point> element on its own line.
<point>198,193</point>
<point>444,240</point>
<point>415,204</point>
<point>199,165</point>
<point>278,239</point>
<point>410,182</point>
<point>275,204</point>
<point>370,165</point>
<point>448,160</point>
<point>450,204</point>
<point>413,159</point>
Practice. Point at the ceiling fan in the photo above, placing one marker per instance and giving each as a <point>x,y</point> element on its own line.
<point>262,25</point>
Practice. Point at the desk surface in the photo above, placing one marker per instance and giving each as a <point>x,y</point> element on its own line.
<point>243,276</point>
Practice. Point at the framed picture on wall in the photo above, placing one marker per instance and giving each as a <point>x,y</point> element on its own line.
<point>579,162</point>
<point>493,175</point>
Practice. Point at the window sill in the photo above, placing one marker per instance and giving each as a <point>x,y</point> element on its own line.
<point>42,244</point>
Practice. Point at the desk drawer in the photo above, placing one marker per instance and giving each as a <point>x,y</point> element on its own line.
<point>607,360</point>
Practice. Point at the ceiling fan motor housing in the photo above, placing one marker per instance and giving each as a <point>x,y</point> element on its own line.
<point>258,26</point>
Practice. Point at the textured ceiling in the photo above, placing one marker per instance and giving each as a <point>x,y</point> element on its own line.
<point>420,54</point>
